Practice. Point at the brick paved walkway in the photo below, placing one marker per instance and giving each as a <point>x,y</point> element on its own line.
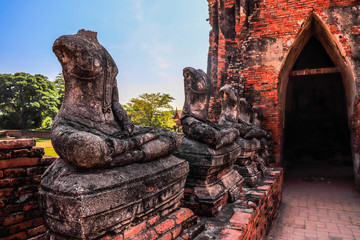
<point>320,203</point>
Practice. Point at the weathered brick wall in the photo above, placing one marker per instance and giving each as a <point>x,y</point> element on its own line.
<point>254,42</point>
<point>251,218</point>
<point>21,167</point>
<point>30,134</point>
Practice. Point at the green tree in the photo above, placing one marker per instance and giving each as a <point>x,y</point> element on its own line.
<point>151,109</point>
<point>60,87</point>
<point>26,100</point>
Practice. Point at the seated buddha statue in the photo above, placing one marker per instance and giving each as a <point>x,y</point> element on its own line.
<point>92,129</point>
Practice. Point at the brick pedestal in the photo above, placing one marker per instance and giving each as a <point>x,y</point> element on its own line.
<point>21,167</point>
<point>252,216</point>
<point>212,181</point>
<point>167,225</point>
<point>90,204</point>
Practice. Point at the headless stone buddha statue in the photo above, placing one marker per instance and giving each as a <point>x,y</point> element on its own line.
<point>210,149</point>
<point>194,117</point>
<point>235,112</point>
<point>111,174</point>
<point>229,116</point>
<point>92,129</point>
<point>245,117</point>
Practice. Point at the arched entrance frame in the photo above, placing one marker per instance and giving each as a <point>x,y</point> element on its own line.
<point>315,26</point>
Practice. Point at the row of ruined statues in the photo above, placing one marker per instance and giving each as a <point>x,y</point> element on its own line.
<point>238,122</point>
<point>106,161</point>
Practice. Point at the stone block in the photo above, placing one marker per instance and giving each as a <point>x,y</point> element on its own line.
<point>18,162</point>
<point>250,173</point>
<point>206,162</point>
<point>158,226</point>
<point>89,204</point>
<point>212,179</point>
<point>17,144</point>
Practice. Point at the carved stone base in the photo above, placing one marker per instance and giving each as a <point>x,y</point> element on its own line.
<point>251,218</point>
<point>89,204</point>
<point>245,164</point>
<point>250,173</point>
<point>212,181</point>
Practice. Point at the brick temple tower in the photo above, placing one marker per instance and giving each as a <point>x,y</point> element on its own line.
<point>299,61</point>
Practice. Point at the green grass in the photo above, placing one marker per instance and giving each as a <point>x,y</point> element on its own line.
<point>50,152</point>
<point>46,144</point>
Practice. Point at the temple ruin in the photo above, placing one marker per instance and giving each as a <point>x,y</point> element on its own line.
<point>281,85</point>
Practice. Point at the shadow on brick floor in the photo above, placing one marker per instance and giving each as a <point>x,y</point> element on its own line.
<point>319,202</point>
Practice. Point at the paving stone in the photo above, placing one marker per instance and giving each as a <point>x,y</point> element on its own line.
<point>331,213</point>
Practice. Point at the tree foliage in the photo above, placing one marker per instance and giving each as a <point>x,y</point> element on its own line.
<point>26,100</point>
<point>60,88</point>
<point>152,109</point>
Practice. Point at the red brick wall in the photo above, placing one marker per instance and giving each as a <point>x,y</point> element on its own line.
<point>251,40</point>
<point>21,167</point>
<point>30,134</point>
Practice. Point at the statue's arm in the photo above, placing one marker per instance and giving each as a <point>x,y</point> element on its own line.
<point>120,113</point>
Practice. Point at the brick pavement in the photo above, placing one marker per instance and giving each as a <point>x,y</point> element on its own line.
<point>320,203</point>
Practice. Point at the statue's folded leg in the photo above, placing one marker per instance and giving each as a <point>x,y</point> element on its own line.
<point>152,147</point>
<point>129,157</point>
<point>255,133</point>
<point>200,131</point>
<point>161,147</point>
<point>80,148</point>
<point>227,136</point>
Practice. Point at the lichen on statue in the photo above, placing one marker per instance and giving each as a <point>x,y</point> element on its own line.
<point>92,129</point>
<point>194,117</point>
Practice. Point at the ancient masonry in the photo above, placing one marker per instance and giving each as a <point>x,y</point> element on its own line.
<point>254,45</point>
<point>117,180</point>
<point>21,167</point>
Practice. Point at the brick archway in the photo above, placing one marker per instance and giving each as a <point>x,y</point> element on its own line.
<point>315,26</point>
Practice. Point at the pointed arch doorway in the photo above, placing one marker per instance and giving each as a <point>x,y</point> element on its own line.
<point>316,95</point>
<point>316,126</point>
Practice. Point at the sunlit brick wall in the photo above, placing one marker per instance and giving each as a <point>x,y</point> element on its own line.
<point>251,40</point>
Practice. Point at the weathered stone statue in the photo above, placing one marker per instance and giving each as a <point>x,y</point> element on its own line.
<point>209,148</point>
<point>110,173</point>
<point>235,113</point>
<point>251,116</point>
<point>92,129</point>
<point>194,117</point>
<point>229,116</point>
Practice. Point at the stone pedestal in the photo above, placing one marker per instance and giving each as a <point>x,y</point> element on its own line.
<point>93,203</point>
<point>212,181</point>
<point>249,171</point>
<point>252,217</point>
<point>245,164</point>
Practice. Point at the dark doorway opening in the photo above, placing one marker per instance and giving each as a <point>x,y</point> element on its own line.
<point>316,125</point>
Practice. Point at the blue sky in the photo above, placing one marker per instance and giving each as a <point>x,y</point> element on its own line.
<point>151,41</point>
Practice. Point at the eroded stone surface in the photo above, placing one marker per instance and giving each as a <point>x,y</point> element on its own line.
<point>86,205</point>
<point>255,142</point>
<point>209,148</point>
<point>92,129</point>
<point>194,117</point>
<point>110,174</point>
